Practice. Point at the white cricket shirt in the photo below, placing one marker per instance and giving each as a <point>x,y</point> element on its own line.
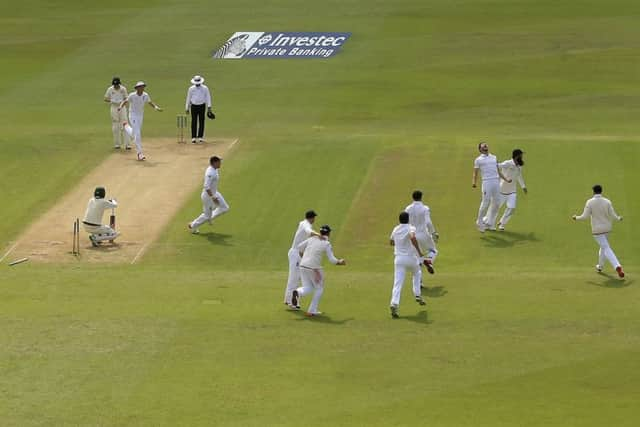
<point>488,165</point>
<point>512,171</point>
<point>96,208</point>
<point>198,95</point>
<point>136,103</point>
<point>401,236</point>
<point>211,177</point>
<point>302,233</point>
<point>601,212</point>
<point>116,96</point>
<point>420,216</point>
<point>313,248</point>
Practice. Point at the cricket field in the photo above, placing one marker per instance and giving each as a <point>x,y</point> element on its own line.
<point>190,330</point>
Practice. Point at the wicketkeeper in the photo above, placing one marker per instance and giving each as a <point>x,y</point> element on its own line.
<point>92,221</point>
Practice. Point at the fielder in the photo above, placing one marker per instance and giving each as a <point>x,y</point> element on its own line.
<point>198,98</point>
<point>407,258</point>
<point>487,165</point>
<point>115,94</point>
<point>213,204</point>
<point>303,232</point>
<point>601,212</point>
<point>512,169</point>
<point>426,234</point>
<point>311,272</point>
<point>133,127</point>
<point>92,221</point>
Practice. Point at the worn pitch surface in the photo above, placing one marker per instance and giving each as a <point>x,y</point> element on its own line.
<point>149,194</point>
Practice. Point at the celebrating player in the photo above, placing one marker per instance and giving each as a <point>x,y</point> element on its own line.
<point>213,204</point>
<point>487,164</point>
<point>311,272</point>
<point>303,232</point>
<point>405,247</point>
<point>133,127</point>
<point>426,234</point>
<point>512,169</point>
<point>601,212</point>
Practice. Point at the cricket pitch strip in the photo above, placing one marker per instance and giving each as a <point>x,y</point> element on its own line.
<point>149,194</point>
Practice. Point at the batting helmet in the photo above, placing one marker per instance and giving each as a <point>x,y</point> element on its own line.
<point>115,81</point>
<point>99,193</point>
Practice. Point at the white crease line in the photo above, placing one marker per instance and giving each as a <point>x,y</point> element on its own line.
<point>8,252</point>
<point>140,252</point>
<point>234,143</point>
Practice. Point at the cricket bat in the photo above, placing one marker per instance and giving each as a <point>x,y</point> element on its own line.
<point>112,219</point>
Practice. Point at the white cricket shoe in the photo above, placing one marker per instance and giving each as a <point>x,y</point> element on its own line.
<point>598,268</point>
<point>141,157</point>
<point>193,230</point>
<point>500,227</point>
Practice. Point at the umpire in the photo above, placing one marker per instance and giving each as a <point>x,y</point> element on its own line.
<point>198,97</point>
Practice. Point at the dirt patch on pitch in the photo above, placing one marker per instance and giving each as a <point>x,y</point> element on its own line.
<point>149,195</point>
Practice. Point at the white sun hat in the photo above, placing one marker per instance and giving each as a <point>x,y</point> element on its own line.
<point>140,83</point>
<point>197,80</point>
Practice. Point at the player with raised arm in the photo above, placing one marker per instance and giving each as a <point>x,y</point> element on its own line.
<point>600,211</point>
<point>136,101</point>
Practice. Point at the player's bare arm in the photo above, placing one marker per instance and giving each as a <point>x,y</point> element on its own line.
<point>475,177</point>
<point>414,242</point>
<point>155,106</point>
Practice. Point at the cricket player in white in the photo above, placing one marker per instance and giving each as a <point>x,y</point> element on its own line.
<point>407,258</point>
<point>303,232</point>
<point>311,272</point>
<point>601,212</point>
<point>133,127</point>
<point>511,169</point>
<point>487,165</point>
<point>92,221</point>
<point>213,204</point>
<point>426,234</point>
<point>114,95</point>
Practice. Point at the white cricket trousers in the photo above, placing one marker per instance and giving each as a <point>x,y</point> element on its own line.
<point>490,197</point>
<point>510,199</point>
<point>402,264</point>
<point>294,274</point>
<point>210,209</point>
<point>605,251</point>
<point>312,281</point>
<point>117,118</point>
<point>134,130</point>
<point>427,245</point>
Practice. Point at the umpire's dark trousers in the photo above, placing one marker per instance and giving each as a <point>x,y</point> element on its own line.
<point>197,120</point>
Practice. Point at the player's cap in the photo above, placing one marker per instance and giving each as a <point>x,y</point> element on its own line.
<point>197,80</point>
<point>140,83</point>
<point>325,229</point>
<point>115,81</point>
<point>517,152</point>
<point>310,214</point>
<point>213,159</point>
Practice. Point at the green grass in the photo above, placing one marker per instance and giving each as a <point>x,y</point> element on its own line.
<point>518,329</point>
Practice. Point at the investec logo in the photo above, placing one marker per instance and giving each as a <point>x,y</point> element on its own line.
<point>251,44</point>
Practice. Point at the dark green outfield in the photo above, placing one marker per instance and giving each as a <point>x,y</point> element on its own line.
<point>518,330</point>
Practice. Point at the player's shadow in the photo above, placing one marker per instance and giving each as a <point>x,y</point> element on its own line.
<point>217,238</point>
<point>323,318</point>
<point>434,291</point>
<point>507,239</point>
<point>421,317</point>
<point>612,282</point>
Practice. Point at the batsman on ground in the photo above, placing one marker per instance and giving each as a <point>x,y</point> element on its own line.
<point>92,221</point>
